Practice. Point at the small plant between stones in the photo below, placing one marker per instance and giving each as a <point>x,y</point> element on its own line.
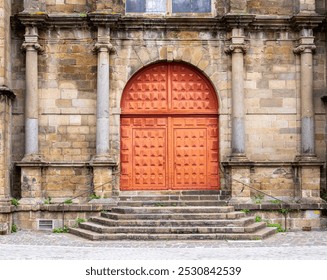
<point>246,211</point>
<point>80,220</point>
<point>14,228</point>
<point>68,201</point>
<point>64,229</point>
<point>258,198</point>
<point>15,202</point>
<point>48,200</point>
<point>278,227</point>
<point>258,219</point>
<point>94,196</point>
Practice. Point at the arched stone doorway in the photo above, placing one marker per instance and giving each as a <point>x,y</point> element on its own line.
<point>169,130</point>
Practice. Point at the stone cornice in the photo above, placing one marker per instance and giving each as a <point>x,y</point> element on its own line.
<point>237,20</point>
<point>32,19</point>
<point>5,91</point>
<point>104,19</point>
<point>117,21</point>
<point>308,21</point>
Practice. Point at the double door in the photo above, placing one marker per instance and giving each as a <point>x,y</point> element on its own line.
<point>169,152</point>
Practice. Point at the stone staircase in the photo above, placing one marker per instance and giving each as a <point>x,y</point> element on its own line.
<point>185,215</point>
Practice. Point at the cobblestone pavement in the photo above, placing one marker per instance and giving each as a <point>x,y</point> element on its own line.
<point>38,245</point>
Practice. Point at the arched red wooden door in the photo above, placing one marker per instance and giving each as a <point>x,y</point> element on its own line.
<point>169,130</point>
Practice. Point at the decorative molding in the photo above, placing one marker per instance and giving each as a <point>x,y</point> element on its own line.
<point>302,48</point>
<point>238,20</point>
<point>235,47</point>
<point>107,46</point>
<point>5,91</point>
<point>306,21</point>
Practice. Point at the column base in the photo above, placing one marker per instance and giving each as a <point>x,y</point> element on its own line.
<point>103,178</point>
<point>31,182</point>
<point>307,169</point>
<point>238,177</point>
<point>30,158</point>
<point>238,157</point>
<point>101,159</point>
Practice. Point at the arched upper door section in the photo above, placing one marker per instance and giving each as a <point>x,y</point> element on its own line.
<point>169,130</point>
<point>169,88</point>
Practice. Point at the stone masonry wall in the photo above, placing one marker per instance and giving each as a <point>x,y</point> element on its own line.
<point>67,91</point>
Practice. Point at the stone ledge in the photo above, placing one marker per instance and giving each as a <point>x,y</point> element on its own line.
<point>65,164</point>
<point>6,209</point>
<point>270,206</point>
<point>296,163</point>
<point>62,207</point>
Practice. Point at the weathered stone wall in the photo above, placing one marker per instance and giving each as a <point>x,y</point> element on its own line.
<point>63,183</point>
<point>296,220</point>
<point>67,89</point>
<point>273,7</point>
<point>70,6</point>
<point>271,97</point>
<point>67,92</point>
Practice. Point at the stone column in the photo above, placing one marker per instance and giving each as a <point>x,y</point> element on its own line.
<point>307,165</point>
<point>102,162</point>
<point>237,50</point>
<point>237,167</point>
<point>305,49</point>
<point>32,47</point>
<point>103,47</point>
<point>31,174</point>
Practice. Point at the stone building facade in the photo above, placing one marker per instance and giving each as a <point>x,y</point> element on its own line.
<point>80,80</point>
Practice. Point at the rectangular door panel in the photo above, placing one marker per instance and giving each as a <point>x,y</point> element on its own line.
<point>149,158</point>
<point>190,158</point>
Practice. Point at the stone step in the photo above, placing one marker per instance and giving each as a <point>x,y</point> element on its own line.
<point>158,203</point>
<point>173,197</point>
<point>177,209</point>
<point>172,192</point>
<point>174,216</point>
<point>260,234</point>
<point>171,230</point>
<point>241,222</point>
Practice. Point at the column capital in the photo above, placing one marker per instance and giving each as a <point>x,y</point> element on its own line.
<point>27,46</point>
<point>236,48</point>
<point>31,42</point>
<point>304,48</point>
<point>100,47</point>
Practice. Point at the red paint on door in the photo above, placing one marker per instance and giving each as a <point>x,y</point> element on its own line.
<point>169,130</point>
